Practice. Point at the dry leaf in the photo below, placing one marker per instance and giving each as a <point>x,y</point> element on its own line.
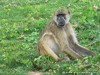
<point>75,24</point>
<point>95,7</point>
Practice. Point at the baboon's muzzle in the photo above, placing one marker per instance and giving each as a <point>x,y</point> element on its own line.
<point>61,22</point>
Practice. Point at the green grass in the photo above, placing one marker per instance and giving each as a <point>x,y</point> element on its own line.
<point>21,22</point>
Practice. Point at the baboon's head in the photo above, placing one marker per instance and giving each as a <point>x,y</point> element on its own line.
<point>61,17</point>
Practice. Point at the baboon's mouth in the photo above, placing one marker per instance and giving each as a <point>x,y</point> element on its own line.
<point>61,25</point>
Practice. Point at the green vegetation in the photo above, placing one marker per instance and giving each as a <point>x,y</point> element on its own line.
<point>21,21</point>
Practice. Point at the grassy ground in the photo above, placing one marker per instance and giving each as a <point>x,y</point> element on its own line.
<point>21,21</point>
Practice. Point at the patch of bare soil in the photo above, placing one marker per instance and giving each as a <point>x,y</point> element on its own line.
<point>35,73</point>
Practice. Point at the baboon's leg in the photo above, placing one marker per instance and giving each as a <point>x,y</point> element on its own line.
<point>83,50</point>
<point>50,52</point>
<point>51,47</point>
<point>41,50</point>
<point>78,48</point>
<point>71,52</point>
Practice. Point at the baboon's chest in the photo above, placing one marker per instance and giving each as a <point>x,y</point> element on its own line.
<point>62,37</point>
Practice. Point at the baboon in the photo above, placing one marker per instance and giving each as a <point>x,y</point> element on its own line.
<point>59,38</point>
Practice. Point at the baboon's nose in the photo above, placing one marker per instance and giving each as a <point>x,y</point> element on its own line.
<point>61,23</point>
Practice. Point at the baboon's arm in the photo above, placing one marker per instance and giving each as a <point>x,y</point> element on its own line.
<point>71,52</point>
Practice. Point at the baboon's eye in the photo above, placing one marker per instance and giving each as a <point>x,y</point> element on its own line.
<point>62,15</point>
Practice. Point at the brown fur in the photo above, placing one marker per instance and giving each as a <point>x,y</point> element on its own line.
<point>56,40</point>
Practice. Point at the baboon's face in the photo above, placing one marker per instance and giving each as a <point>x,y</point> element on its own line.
<point>61,17</point>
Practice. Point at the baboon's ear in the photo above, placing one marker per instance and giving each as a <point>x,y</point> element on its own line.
<point>68,12</point>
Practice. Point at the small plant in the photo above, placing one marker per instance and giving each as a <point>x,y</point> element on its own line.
<point>21,23</point>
